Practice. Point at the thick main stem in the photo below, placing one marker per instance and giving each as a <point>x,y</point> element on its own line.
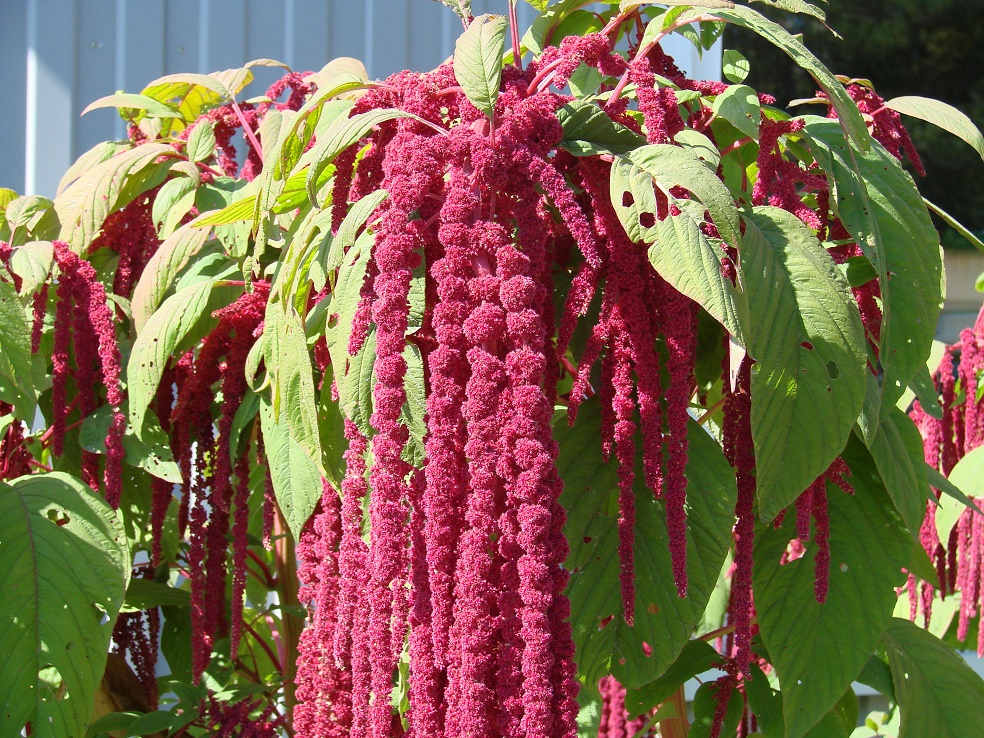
<point>285,562</point>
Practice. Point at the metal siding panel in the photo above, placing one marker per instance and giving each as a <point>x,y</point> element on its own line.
<point>346,30</point>
<point>264,39</point>
<point>139,48</point>
<point>51,112</point>
<point>426,43</point>
<point>309,35</point>
<point>181,37</point>
<point>223,41</point>
<point>13,59</point>
<point>390,47</point>
<point>95,74</point>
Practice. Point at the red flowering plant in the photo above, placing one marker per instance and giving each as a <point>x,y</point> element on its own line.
<point>500,400</point>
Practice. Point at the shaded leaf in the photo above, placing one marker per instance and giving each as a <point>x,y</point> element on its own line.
<point>588,131</point>
<point>65,566</point>
<point>806,336</point>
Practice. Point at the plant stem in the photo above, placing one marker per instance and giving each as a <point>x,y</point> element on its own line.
<point>711,410</point>
<point>514,30</point>
<point>285,562</point>
<point>248,131</point>
<point>678,725</point>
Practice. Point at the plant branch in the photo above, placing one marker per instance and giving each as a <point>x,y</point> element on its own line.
<point>514,30</point>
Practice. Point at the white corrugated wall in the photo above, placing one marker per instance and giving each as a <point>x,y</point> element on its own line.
<point>59,55</point>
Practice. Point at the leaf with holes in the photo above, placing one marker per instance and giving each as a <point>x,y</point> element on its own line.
<point>478,60</point>
<point>65,567</point>
<point>882,209</point>
<point>806,336</point>
<point>663,621</point>
<point>818,650</point>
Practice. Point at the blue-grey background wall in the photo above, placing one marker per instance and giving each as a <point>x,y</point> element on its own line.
<point>57,56</point>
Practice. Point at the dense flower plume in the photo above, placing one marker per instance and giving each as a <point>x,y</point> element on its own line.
<point>959,560</point>
<point>349,456</point>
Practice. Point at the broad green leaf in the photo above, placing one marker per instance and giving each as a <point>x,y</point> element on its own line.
<point>155,345</point>
<point>32,263</point>
<point>296,479</point>
<point>818,650</point>
<point>478,60</point>
<point>705,706</point>
<point>153,723</point>
<point>881,208</point>
<point>806,336</point>
<point>944,485</point>
<point>956,225</point>
<point>461,7</point>
<point>663,621</point>
<point>130,101</point>
<point>672,166</point>
<point>739,105</point>
<point>292,378</point>
<point>15,343</point>
<point>342,133</point>
<point>847,112</point>
<point>700,145</point>
<point>940,114</point>
<point>150,451</point>
<point>144,594</point>
<point>938,693</point>
<point>65,566</point>
<point>357,216</point>
<point>878,676</point>
<point>898,453</point>
<point>84,204</point>
<point>695,658</point>
<point>93,157</point>
<point>162,270</point>
<point>588,131</point>
<point>797,6</point>
<point>189,94</point>
<point>30,217</point>
<point>201,141</point>
<point>239,210</point>
<point>735,67</point>
<point>173,201</point>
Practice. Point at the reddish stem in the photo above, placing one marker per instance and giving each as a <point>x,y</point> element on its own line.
<point>248,131</point>
<point>514,30</point>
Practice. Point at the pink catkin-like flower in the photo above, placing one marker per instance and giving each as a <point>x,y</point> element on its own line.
<point>615,722</point>
<point>93,321</point>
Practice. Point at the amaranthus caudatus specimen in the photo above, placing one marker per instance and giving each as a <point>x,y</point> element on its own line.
<point>468,279</point>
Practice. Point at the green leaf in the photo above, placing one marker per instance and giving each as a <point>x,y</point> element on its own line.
<point>818,650</point>
<point>31,216</point>
<point>950,489</point>
<point>878,676</point>
<point>478,60</point>
<point>32,263</point>
<point>797,6</point>
<point>84,205</point>
<point>357,216</point>
<point>151,451</point>
<point>739,105</point>
<point>234,212</point>
<point>940,114</point>
<point>898,453</point>
<point>664,621</point>
<point>806,336</point>
<point>171,257</point>
<point>93,157</point>
<point>734,66</point>
<point>130,101</point>
<point>174,199</point>
<point>938,693</point>
<point>145,594</point>
<point>956,225</point>
<point>66,566</point>
<point>588,131</point>
<point>705,706</point>
<point>847,112</point>
<point>292,378</point>
<point>155,345</point>
<point>463,7</point>
<point>342,133</point>
<point>15,344</point>
<point>152,722</point>
<point>672,166</point>
<point>881,208</point>
<point>695,658</point>
<point>296,478</point>
<point>201,141</point>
